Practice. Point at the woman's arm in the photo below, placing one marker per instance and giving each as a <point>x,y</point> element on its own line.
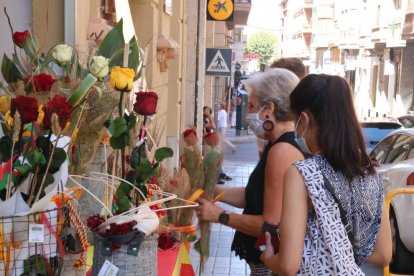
<point>234,196</point>
<point>383,247</point>
<point>281,156</point>
<point>210,124</point>
<point>292,227</point>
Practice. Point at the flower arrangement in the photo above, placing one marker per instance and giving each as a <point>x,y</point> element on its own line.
<point>203,173</point>
<point>48,106</point>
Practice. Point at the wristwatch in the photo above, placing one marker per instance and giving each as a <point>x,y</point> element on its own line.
<point>224,218</point>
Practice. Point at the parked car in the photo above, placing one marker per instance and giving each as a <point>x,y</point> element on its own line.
<point>376,128</point>
<point>395,156</point>
<point>407,120</point>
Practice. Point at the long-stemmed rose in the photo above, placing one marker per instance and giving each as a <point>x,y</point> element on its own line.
<point>122,79</point>
<point>99,67</point>
<point>59,106</point>
<point>211,139</point>
<point>19,37</point>
<point>146,103</point>
<point>43,82</point>
<point>190,137</point>
<point>62,53</point>
<point>27,107</point>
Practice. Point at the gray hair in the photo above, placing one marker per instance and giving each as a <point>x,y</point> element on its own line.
<point>274,85</point>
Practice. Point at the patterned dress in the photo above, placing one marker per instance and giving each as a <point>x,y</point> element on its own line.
<point>327,249</point>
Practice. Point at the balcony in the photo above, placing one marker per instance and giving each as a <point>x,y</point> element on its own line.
<point>241,13</point>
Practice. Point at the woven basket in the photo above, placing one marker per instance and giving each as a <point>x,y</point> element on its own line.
<point>137,257</point>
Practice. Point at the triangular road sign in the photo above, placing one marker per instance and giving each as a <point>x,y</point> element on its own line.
<point>218,64</point>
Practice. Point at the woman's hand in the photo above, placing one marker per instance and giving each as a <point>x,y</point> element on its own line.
<point>269,251</point>
<point>207,211</point>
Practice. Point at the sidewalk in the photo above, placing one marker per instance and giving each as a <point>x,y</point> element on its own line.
<point>231,135</point>
<point>222,261</point>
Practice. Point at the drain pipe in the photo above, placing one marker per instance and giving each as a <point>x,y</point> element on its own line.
<point>69,11</point>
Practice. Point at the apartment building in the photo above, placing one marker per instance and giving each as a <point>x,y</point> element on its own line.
<point>367,42</point>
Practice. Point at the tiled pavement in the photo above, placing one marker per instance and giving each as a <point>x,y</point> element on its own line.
<point>222,261</point>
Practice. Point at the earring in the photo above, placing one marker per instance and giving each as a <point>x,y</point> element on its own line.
<point>268,125</point>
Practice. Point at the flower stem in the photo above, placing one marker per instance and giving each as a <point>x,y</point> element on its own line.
<point>47,168</point>
<point>120,107</point>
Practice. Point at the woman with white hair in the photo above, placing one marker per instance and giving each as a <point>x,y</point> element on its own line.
<point>262,197</point>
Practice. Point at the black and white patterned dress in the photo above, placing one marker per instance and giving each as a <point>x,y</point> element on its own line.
<point>327,249</point>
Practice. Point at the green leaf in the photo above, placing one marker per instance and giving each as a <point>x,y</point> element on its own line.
<point>6,144</point>
<point>119,142</point>
<point>9,70</point>
<point>77,97</point>
<point>123,204</point>
<point>34,156</point>
<point>59,156</point>
<point>118,127</point>
<point>112,46</point>
<point>163,153</point>
<point>135,58</point>
<point>131,120</point>
<point>4,181</point>
<point>35,263</point>
<point>135,155</point>
<point>19,66</point>
<point>44,145</point>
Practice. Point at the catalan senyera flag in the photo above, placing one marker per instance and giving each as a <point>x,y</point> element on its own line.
<point>175,262</point>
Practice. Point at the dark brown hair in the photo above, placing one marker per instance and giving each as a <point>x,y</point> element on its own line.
<point>293,64</point>
<point>329,100</point>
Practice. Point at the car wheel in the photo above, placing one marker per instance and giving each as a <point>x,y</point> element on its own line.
<point>401,261</point>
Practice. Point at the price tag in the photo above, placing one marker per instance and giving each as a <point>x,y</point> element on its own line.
<point>108,269</point>
<point>36,232</point>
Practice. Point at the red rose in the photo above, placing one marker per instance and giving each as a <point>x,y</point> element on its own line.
<point>18,37</point>
<point>146,103</point>
<point>190,137</point>
<point>94,222</point>
<point>166,241</point>
<point>211,139</point>
<point>59,106</point>
<point>27,108</point>
<point>44,82</point>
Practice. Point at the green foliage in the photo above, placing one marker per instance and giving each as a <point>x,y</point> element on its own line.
<point>264,44</point>
<point>9,70</point>
<point>112,47</point>
<point>35,263</point>
<point>6,144</point>
<point>163,153</point>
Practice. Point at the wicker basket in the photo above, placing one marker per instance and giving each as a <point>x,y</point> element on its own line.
<point>137,255</point>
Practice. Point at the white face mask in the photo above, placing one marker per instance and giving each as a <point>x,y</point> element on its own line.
<point>255,124</point>
<point>300,140</point>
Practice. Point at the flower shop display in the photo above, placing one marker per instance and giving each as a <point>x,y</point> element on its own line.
<point>36,134</point>
<point>204,173</point>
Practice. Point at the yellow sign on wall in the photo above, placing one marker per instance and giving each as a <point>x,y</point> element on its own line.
<point>220,10</point>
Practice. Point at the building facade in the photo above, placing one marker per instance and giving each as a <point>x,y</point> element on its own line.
<point>367,42</point>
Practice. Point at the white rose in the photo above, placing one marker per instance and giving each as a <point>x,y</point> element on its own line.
<point>62,53</point>
<point>99,67</point>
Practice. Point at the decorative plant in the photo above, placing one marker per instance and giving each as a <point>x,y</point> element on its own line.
<point>204,173</point>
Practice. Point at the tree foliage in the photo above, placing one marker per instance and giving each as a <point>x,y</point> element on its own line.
<point>264,44</point>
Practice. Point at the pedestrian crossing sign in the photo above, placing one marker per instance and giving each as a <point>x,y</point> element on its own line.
<point>218,62</point>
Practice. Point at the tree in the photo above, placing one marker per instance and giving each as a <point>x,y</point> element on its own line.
<point>264,44</point>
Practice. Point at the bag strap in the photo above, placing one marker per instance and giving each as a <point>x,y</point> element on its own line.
<point>345,222</point>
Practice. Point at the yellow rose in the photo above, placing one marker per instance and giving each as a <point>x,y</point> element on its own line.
<point>4,104</point>
<point>122,78</point>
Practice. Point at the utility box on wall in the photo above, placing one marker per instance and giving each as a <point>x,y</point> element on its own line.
<point>241,125</point>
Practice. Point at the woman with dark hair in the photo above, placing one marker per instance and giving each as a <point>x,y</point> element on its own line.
<point>336,186</point>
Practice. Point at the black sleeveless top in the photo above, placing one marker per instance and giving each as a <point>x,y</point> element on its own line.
<point>243,244</point>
